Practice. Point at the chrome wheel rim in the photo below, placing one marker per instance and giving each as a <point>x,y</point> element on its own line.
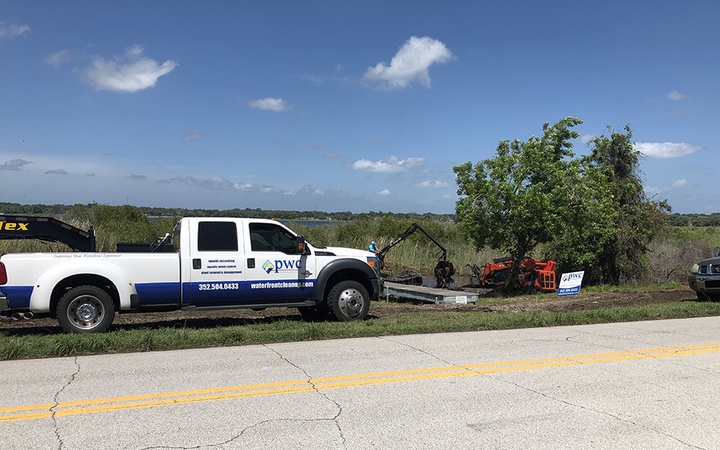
<point>351,302</point>
<point>86,312</point>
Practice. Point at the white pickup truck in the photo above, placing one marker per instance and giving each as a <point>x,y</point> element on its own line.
<point>205,263</point>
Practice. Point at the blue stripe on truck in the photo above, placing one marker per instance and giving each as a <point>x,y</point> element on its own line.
<point>247,292</point>
<point>158,293</point>
<point>18,296</point>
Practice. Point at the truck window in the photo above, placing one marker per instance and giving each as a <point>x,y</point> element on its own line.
<point>217,237</point>
<point>268,237</point>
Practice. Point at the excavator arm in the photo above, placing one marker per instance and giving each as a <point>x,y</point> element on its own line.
<point>444,269</point>
<point>442,253</point>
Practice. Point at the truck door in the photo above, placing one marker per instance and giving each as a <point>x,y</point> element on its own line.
<point>276,271</point>
<point>214,266</point>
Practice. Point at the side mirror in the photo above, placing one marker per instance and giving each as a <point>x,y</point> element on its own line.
<point>301,246</point>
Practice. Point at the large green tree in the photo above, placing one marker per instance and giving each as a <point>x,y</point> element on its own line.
<point>592,213</point>
<point>615,220</point>
<point>522,196</point>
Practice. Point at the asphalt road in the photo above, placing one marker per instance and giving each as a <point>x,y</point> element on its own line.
<point>641,385</point>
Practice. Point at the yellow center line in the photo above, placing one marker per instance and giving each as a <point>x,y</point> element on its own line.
<point>90,406</point>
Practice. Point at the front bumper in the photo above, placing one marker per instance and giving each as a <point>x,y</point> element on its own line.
<point>378,285</point>
<point>704,283</point>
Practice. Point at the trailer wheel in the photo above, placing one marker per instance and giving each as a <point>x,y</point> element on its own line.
<point>85,309</point>
<point>349,300</point>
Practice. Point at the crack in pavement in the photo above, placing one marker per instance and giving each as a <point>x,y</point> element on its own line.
<point>236,437</point>
<point>597,411</point>
<point>569,338</point>
<point>425,352</point>
<point>327,397</point>
<point>334,419</point>
<point>56,402</point>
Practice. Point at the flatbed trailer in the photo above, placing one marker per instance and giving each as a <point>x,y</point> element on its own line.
<point>47,229</point>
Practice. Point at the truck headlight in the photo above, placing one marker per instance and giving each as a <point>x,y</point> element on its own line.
<point>373,262</point>
<point>695,269</point>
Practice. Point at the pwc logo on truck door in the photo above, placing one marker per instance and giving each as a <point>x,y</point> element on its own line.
<point>281,265</point>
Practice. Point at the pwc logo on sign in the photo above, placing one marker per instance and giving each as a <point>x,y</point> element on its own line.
<point>281,265</point>
<point>570,283</point>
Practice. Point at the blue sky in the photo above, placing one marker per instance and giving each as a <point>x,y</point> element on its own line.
<point>338,105</point>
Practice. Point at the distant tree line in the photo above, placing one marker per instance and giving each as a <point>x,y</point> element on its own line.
<point>60,211</point>
<point>694,220</point>
<point>84,211</point>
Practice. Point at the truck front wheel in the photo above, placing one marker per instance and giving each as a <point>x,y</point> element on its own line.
<point>349,300</point>
<point>85,309</point>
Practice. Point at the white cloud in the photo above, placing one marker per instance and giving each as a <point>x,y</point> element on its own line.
<point>675,95</point>
<point>191,136</point>
<point>666,149</point>
<point>384,192</point>
<point>411,63</point>
<point>130,73</point>
<point>58,58</point>
<point>681,183</point>
<point>56,172</point>
<point>244,186</point>
<point>208,183</point>
<point>14,164</point>
<point>652,191</point>
<point>675,185</point>
<point>587,138</point>
<point>390,165</point>
<point>308,189</point>
<point>269,104</point>
<point>433,184</point>
<point>42,164</point>
<point>8,31</point>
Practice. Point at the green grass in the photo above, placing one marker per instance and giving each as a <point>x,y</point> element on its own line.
<point>286,330</point>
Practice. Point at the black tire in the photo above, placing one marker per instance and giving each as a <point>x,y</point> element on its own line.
<point>314,313</point>
<point>85,309</point>
<point>349,300</point>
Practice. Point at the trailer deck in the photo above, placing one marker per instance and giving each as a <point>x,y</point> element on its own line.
<point>429,294</point>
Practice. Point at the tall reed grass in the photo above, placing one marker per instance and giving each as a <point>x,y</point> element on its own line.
<point>670,255</point>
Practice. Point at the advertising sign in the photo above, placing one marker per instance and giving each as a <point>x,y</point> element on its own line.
<point>570,283</point>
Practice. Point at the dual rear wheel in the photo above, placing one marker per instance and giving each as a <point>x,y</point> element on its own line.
<point>85,309</point>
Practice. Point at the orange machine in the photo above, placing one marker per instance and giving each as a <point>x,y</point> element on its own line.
<point>534,275</point>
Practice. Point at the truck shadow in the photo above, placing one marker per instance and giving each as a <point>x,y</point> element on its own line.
<point>44,327</point>
<point>29,328</point>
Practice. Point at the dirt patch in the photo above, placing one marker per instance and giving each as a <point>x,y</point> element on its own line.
<point>203,319</point>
